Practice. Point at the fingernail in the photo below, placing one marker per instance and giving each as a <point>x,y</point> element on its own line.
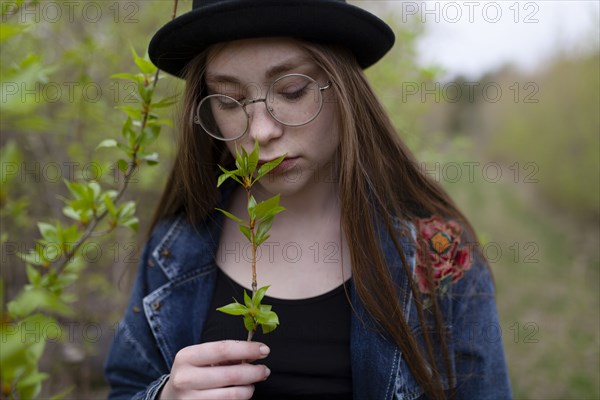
<point>264,350</point>
<point>267,372</point>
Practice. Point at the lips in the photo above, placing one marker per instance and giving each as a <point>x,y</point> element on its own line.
<point>287,164</point>
<point>264,161</point>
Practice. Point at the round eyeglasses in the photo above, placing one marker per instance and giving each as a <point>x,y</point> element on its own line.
<point>292,100</point>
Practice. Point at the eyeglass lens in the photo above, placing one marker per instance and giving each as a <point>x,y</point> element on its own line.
<point>292,100</point>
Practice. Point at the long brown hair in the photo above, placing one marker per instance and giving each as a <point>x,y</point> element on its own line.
<point>378,180</point>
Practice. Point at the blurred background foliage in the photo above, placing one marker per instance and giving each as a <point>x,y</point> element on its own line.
<point>524,166</point>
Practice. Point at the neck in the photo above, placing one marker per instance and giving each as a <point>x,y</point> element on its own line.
<point>311,203</point>
<point>310,208</point>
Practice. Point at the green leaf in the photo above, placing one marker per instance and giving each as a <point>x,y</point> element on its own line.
<point>31,385</point>
<point>266,328</point>
<point>149,135</point>
<point>155,122</point>
<point>9,30</point>
<point>69,234</point>
<point>110,205</point>
<point>71,213</point>
<point>51,252</point>
<point>123,165</point>
<point>260,238</point>
<point>249,323</point>
<point>151,159</point>
<point>127,209</point>
<point>131,77</point>
<point>131,223</point>
<point>23,344</point>
<point>77,190</point>
<point>145,91</point>
<point>34,257</point>
<point>107,143</point>
<point>66,279</point>
<point>33,275</point>
<point>133,112</point>
<point>127,149</point>
<point>143,64</point>
<point>234,309</point>
<point>126,215</point>
<point>265,307</point>
<point>243,162</point>
<point>13,346</point>
<point>269,166</point>
<point>222,178</point>
<point>252,207</point>
<point>268,208</point>
<point>230,174</point>
<point>76,265</point>
<point>224,170</point>
<point>247,300</point>
<point>259,295</point>
<point>95,189</point>
<point>274,211</point>
<point>34,299</point>
<point>47,231</point>
<point>253,159</point>
<point>267,319</point>
<point>231,216</point>
<point>166,102</point>
<point>112,194</point>
<point>246,231</point>
<point>128,132</point>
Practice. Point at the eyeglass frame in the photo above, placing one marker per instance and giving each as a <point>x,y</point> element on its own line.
<point>247,102</point>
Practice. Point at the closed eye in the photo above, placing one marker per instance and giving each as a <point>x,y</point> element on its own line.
<point>295,95</point>
<point>225,103</point>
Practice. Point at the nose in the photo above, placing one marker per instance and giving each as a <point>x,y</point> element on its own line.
<point>263,127</point>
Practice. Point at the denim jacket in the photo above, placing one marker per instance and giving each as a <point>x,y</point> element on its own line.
<point>173,290</point>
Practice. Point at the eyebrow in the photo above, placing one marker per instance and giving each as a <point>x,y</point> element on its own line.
<point>273,72</point>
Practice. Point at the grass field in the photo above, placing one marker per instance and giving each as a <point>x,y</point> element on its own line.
<point>546,268</point>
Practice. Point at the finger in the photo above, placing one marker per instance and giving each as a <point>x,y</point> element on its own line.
<point>237,392</point>
<point>201,378</point>
<point>231,375</point>
<point>223,352</point>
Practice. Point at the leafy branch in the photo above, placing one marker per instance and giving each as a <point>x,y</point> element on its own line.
<point>56,262</point>
<point>256,230</point>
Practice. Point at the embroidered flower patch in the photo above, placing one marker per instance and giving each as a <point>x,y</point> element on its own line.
<point>448,257</point>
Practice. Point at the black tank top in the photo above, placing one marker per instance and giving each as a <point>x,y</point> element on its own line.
<point>310,350</point>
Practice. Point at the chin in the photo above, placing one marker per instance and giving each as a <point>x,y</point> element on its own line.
<point>285,184</point>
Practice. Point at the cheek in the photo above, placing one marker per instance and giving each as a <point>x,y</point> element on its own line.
<point>330,132</point>
<point>326,122</point>
<point>231,147</point>
<point>325,141</point>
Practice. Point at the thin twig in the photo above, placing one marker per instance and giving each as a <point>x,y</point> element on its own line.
<point>95,221</point>
<point>132,167</point>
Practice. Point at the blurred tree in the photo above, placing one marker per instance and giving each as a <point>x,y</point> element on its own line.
<point>553,122</point>
<point>58,102</point>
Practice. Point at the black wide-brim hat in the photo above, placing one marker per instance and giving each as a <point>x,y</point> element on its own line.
<point>322,21</point>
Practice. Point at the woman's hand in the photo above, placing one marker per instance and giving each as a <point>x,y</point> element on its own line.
<point>216,370</point>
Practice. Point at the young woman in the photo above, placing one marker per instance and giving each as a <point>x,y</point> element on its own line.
<point>380,289</point>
